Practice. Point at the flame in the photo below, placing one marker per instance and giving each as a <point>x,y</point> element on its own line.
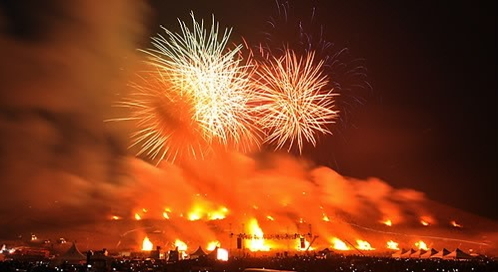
<point>165,215</point>
<point>202,210</point>
<point>392,245</point>
<point>212,245</point>
<point>180,245</point>
<point>219,214</point>
<point>194,216</point>
<point>421,245</point>
<point>325,218</point>
<point>147,244</point>
<point>426,220</point>
<point>257,243</point>
<point>339,244</point>
<point>115,217</point>
<point>364,245</point>
<point>222,254</point>
<point>455,224</point>
<point>138,217</point>
<point>269,217</point>
<point>387,222</point>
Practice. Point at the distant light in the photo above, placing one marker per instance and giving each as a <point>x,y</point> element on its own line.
<point>222,254</point>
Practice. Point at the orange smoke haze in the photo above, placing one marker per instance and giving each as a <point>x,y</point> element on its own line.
<point>261,200</point>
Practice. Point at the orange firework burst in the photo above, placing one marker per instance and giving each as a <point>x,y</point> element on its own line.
<point>294,100</point>
<point>164,119</point>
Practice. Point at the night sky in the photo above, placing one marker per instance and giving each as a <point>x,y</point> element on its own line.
<point>429,122</point>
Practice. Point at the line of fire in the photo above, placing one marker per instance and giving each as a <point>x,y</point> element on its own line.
<point>200,231</point>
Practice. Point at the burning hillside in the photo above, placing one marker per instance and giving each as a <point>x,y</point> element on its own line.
<point>275,204</point>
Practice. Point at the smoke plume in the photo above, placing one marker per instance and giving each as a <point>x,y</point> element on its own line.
<point>61,64</point>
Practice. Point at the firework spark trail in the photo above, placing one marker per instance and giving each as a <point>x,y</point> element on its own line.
<point>295,102</point>
<point>164,120</point>
<point>204,95</point>
<point>211,84</point>
<point>348,75</point>
<point>197,64</point>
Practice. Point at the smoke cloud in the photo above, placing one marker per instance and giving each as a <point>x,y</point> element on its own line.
<point>61,65</point>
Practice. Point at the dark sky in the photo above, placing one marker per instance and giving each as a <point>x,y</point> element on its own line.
<point>429,122</point>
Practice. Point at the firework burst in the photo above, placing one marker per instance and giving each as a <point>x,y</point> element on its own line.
<point>304,32</point>
<point>201,88</point>
<point>166,129</point>
<point>295,103</point>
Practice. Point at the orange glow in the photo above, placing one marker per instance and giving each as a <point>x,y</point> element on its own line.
<point>325,218</point>
<point>212,245</point>
<point>455,224</point>
<point>115,217</point>
<point>364,245</point>
<point>138,217</point>
<point>387,222</point>
<point>339,244</point>
<point>269,217</point>
<point>421,245</point>
<point>222,254</point>
<point>257,243</point>
<point>392,245</point>
<point>180,245</point>
<point>147,244</point>
<point>424,223</point>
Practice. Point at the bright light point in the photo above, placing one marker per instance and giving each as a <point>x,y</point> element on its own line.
<point>147,244</point>
<point>165,215</point>
<point>426,221</point>
<point>222,254</point>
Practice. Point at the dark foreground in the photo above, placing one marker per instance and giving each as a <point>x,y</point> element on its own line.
<point>301,263</point>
